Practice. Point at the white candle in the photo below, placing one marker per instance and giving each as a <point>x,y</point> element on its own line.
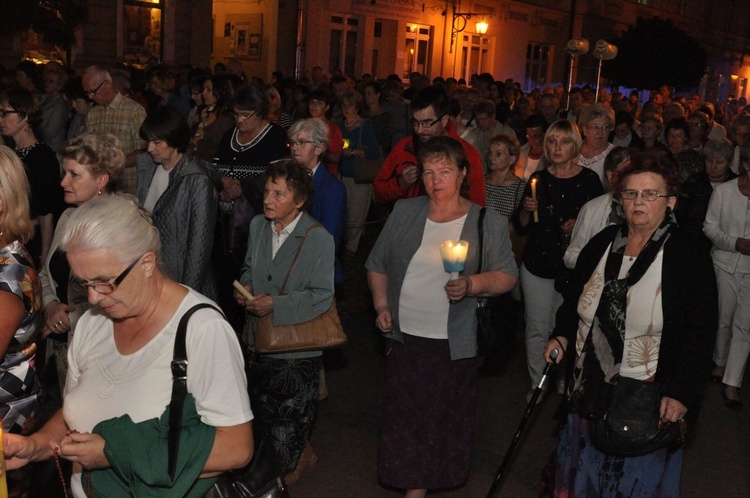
<point>454,256</point>
<point>533,197</point>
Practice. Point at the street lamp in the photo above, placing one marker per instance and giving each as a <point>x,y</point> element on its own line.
<point>459,24</point>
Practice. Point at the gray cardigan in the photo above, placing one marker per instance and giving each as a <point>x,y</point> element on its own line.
<point>185,216</point>
<point>399,241</point>
<point>309,291</point>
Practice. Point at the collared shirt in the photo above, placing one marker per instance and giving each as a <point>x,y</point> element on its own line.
<point>122,118</point>
<point>277,239</point>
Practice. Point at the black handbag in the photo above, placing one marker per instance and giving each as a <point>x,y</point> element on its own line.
<point>486,340</point>
<point>261,477</point>
<point>623,415</point>
<point>631,425</point>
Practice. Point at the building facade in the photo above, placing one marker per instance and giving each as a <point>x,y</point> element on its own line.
<point>524,40</point>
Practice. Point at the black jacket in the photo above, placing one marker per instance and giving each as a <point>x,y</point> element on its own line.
<point>690,308</point>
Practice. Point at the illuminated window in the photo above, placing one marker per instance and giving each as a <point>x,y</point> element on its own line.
<point>142,33</point>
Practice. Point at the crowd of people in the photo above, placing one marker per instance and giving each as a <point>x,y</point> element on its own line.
<point>129,196</point>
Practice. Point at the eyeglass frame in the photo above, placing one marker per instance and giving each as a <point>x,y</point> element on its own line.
<point>291,143</point>
<point>643,193</point>
<point>424,124</point>
<point>238,116</point>
<point>113,285</point>
<point>605,128</point>
<point>93,92</point>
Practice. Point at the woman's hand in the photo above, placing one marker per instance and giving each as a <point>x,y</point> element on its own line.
<point>530,205</point>
<point>56,317</point>
<point>86,449</point>
<point>567,227</point>
<point>458,289</point>
<point>242,300</point>
<point>383,320</point>
<point>232,187</point>
<point>671,410</point>
<point>18,450</point>
<point>560,344</point>
<point>262,305</point>
<point>742,246</point>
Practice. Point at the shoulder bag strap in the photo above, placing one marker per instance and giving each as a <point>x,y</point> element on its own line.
<point>296,256</point>
<point>480,228</point>
<point>179,385</point>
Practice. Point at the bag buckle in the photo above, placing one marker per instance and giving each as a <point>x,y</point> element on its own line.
<point>179,369</point>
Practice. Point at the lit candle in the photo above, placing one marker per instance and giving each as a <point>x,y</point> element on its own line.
<point>454,256</point>
<point>3,480</point>
<point>533,197</point>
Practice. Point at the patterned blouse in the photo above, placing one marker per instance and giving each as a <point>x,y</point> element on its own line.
<point>18,276</point>
<point>505,199</point>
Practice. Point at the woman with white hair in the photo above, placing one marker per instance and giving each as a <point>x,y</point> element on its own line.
<point>121,352</point>
<point>308,140</point>
<point>596,122</point>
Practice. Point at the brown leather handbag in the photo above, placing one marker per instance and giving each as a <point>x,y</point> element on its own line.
<point>322,332</point>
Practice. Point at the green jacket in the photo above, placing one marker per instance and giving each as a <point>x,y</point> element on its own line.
<point>138,457</point>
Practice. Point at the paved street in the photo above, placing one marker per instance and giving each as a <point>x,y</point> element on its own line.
<point>717,459</point>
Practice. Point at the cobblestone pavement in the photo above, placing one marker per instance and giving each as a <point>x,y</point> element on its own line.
<point>717,457</point>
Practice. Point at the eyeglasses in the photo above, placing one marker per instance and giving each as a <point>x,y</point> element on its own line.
<point>4,113</point>
<point>597,129</point>
<point>244,115</point>
<point>424,124</point>
<point>93,92</point>
<point>648,195</point>
<point>105,288</point>
<point>300,142</point>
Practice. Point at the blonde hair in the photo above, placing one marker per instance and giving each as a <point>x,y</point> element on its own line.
<point>101,152</point>
<point>15,217</point>
<point>113,222</point>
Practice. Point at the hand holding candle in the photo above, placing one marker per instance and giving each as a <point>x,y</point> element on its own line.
<point>533,197</point>
<point>454,256</point>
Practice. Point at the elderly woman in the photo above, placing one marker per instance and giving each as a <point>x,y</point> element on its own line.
<point>178,192</point>
<point>431,369</point>
<point>359,134</point>
<point>92,164</point>
<point>561,191</point>
<point>243,155</point>
<point>727,227</point>
<point>689,162</point>
<point>308,140</point>
<point>695,192</point>
<point>121,352</point>
<point>20,113</point>
<point>596,122</point>
<point>287,249</point>
<point>20,300</point>
<point>643,306</point>
<point>650,129</point>
<point>214,119</point>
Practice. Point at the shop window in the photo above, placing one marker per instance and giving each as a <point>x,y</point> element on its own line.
<point>475,55</point>
<point>416,50</point>
<point>142,33</point>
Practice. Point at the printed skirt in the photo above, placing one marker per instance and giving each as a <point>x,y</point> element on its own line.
<point>582,470</point>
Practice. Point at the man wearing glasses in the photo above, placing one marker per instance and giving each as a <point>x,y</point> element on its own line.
<point>398,178</point>
<point>115,114</point>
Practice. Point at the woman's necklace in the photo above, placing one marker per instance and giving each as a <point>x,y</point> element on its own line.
<point>22,152</point>
<point>353,123</point>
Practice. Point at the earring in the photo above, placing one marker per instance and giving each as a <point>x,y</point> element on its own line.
<point>100,192</point>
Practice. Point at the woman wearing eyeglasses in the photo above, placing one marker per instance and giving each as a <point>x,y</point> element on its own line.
<point>20,113</point>
<point>596,121</point>
<point>119,376</point>
<point>643,306</point>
